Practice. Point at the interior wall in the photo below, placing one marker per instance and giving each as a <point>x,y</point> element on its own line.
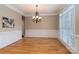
<point>47,23</point>
<point>76,35</point>
<point>48,27</point>
<point>77,19</point>
<point>10,35</point>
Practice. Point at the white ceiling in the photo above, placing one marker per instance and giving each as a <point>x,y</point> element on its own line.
<point>44,9</point>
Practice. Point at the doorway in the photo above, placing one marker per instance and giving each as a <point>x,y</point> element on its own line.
<point>23,26</point>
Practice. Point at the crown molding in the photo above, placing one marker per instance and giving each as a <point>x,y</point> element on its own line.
<point>14,9</point>
<point>20,12</point>
<point>27,15</point>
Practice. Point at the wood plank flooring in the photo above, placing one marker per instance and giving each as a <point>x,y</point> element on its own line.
<point>35,46</point>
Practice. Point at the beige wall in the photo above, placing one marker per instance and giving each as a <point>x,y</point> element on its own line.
<point>77,19</point>
<point>47,23</point>
<point>4,11</point>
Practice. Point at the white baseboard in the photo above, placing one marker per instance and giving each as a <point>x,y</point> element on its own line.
<point>9,37</point>
<point>42,33</point>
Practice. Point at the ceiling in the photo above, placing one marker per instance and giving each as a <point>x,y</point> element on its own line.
<point>44,9</point>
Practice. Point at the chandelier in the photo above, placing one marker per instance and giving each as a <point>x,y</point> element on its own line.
<point>36,17</point>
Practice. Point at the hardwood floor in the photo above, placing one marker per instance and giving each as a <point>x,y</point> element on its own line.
<point>35,46</point>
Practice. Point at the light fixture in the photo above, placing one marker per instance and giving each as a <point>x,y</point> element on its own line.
<point>36,17</point>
